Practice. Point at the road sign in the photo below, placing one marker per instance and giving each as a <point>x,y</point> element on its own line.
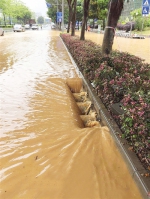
<point>48,5</point>
<point>59,17</point>
<point>145,7</point>
<point>146,3</point>
<point>145,10</point>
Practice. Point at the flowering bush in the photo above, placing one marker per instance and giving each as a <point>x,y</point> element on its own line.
<point>135,123</point>
<point>120,78</point>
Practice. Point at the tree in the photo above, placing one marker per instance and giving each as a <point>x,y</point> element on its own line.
<point>103,10</point>
<point>52,13</point>
<point>40,20</point>
<point>54,7</point>
<point>21,12</point>
<point>93,10</point>
<point>140,21</point>
<point>15,9</point>
<point>79,12</point>
<point>115,8</point>
<point>5,5</point>
<point>72,4</point>
<point>26,15</point>
<point>85,17</point>
<point>98,10</point>
<point>73,19</point>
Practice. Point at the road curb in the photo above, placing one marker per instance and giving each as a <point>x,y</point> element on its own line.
<point>132,161</point>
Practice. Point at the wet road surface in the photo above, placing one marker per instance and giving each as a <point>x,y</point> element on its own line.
<point>45,151</point>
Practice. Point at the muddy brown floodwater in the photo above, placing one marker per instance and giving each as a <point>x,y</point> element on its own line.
<point>45,152</point>
<point>138,47</point>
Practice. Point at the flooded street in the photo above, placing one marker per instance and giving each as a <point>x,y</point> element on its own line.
<point>138,47</point>
<point>45,151</point>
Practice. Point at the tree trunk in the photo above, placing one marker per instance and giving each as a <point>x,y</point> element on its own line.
<point>82,36</point>
<point>9,20</point>
<point>74,18</point>
<point>93,24</point>
<point>85,16</point>
<point>115,8</point>
<point>103,24</point>
<point>69,18</point>
<point>4,19</point>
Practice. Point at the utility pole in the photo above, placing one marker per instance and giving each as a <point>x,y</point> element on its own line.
<point>62,15</point>
<point>57,22</point>
<point>57,5</point>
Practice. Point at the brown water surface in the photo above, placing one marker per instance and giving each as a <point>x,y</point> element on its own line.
<point>45,151</point>
<point>138,47</point>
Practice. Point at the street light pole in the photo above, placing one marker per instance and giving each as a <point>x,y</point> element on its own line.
<point>57,5</point>
<point>62,15</point>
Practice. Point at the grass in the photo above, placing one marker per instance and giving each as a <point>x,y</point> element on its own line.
<point>143,32</point>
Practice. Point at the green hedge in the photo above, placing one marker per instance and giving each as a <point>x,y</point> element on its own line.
<point>7,26</point>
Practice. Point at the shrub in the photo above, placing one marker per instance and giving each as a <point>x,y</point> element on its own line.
<point>127,27</point>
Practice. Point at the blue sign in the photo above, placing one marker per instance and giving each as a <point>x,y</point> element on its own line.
<point>145,7</point>
<point>145,10</point>
<point>48,5</point>
<point>146,3</point>
<point>59,17</point>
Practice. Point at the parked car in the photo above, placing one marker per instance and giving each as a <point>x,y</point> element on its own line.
<point>27,26</point>
<point>1,32</point>
<point>35,27</point>
<point>18,28</point>
<point>53,25</point>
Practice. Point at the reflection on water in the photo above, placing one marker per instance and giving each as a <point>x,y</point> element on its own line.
<point>45,151</point>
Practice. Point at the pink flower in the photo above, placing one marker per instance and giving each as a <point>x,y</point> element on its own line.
<point>112,81</point>
<point>133,103</point>
<point>141,113</point>
<point>101,66</point>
